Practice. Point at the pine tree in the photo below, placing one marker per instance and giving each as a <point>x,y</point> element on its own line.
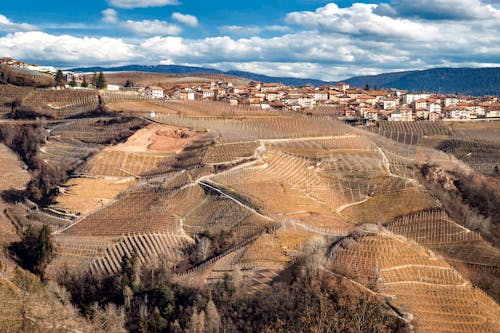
<point>213,323</point>
<point>42,248</point>
<point>59,77</point>
<point>101,81</point>
<point>84,83</point>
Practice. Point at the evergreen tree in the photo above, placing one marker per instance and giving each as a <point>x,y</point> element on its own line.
<point>59,78</point>
<point>129,273</point>
<point>43,249</point>
<point>94,79</point>
<point>367,86</point>
<point>212,324</point>
<point>101,81</point>
<point>84,83</point>
<point>72,83</point>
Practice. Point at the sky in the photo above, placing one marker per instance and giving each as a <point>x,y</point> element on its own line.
<point>329,40</point>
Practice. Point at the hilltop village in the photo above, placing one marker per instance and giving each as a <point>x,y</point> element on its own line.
<point>366,105</point>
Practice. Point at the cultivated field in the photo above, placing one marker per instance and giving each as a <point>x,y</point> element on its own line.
<point>417,282</point>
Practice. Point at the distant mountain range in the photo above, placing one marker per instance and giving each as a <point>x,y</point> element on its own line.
<point>467,81</point>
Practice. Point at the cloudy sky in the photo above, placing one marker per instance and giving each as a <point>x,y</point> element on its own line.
<point>328,40</point>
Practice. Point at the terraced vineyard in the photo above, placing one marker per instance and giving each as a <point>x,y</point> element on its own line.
<point>411,132</point>
<point>417,282</point>
<point>62,103</point>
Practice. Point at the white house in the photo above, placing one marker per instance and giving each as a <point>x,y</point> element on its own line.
<point>401,115</point>
<point>410,98</point>
<point>306,101</point>
<point>460,114</point>
<point>112,87</point>
<point>389,104</point>
<point>435,108</point>
<point>320,95</point>
<point>154,92</point>
<point>450,101</point>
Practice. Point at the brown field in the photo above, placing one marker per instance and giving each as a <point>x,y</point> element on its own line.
<point>12,176</point>
<point>12,172</point>
<point>140,106</point>
<point>157,138</point>
<point>418,282</point>
<point>84,195</point>
<point>383,207</point>
<point>493,126</point>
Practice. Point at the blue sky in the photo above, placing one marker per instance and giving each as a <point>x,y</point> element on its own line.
<point>304,38</point>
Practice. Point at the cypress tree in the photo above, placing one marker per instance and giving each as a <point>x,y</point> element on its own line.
<point>43,250</point>
<point>59,78</point>
<point>101,81</point>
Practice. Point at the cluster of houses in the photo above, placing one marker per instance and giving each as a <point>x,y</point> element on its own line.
<point>25,66</point>
<point>351,102</point>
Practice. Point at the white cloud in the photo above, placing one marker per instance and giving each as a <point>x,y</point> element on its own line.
<point>360,19</point>
<point>240,30</point>
<point>438,9</point>
<point>190,20</point>
<point>151,27</point>
<point>9,26</point>
<point>329,43</point>
<point>109,15</point>
<point>39,46</point>
<point>142,3</point>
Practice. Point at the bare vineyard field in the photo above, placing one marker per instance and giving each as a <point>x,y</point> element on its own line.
<point>138,212</point>
<point>122,164</point>
<point>9,94</point>
<point>225,153</point>
<point>83,195</point>
<point>12,170</point>
<point>12,176</point>
<point>475,143</point>
<point>436,230</point>
<point>481,156</point>
<point>62,103</point>
<point>214,109</point>
<point>439,298</point>
<point>382,208</point>
<point>410,132</point>
<point>101,130</point>
<point>251,129</point>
